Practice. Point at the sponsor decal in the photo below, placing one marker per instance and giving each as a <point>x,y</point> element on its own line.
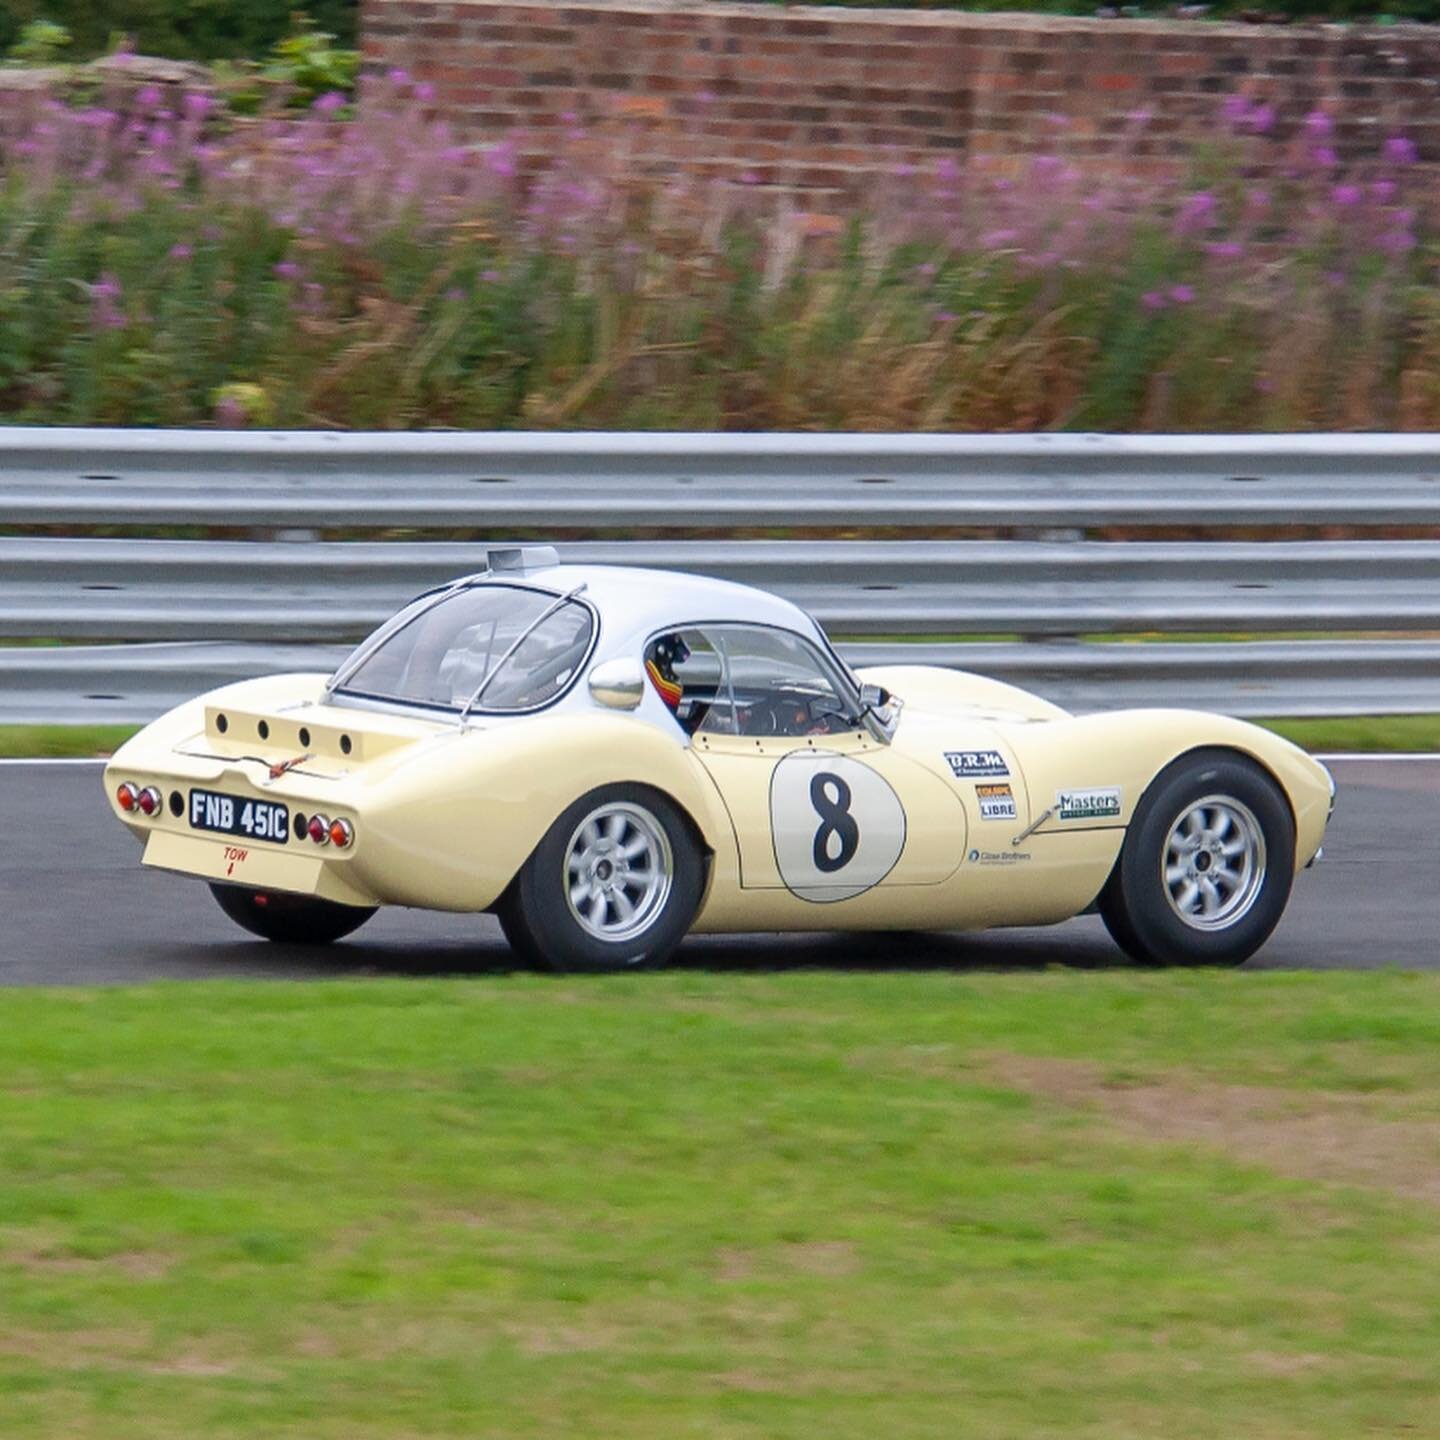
<point>1096,803</point>
<point>999,857</point>
<point>969,764</point>
<point>997,802</point>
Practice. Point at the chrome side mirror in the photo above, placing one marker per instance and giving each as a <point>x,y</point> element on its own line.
<point>618,684</point>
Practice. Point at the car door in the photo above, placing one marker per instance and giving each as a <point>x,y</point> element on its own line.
<point>820,805</point>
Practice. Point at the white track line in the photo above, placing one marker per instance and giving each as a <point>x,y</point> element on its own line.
<point>1378,756</point>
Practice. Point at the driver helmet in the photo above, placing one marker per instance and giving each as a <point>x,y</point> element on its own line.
<point>665,654</point>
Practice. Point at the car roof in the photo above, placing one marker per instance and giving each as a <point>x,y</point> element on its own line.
<point>633,600</point>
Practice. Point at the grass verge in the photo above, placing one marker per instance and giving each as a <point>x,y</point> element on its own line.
<point>1362,733</point>
<point>1374,733</point>
<point>929,1205</point>
<point>61,741</point>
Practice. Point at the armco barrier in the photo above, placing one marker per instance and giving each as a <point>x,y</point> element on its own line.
<point>1082,536</point>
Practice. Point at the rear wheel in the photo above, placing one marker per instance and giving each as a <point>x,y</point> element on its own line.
<point>292,919</point>
<point>613,885</point>
<point>1207,865</point>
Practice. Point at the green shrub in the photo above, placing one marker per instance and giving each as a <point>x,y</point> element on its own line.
<point>182,29</point>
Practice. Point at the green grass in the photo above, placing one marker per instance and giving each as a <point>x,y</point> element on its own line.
<point>1377,733</point>
<point>60,741</point>
<point>762,1206</point>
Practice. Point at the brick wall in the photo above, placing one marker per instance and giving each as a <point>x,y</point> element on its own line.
<point>822,96</point>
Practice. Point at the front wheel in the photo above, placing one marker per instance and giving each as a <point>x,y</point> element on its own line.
<point>1207,865</point>
<point>290,919</point>
<point>613,885</point>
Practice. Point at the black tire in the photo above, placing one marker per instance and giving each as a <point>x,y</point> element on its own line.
<point>546,927</point>
<point>1142,907</point>
<point>290,919</point>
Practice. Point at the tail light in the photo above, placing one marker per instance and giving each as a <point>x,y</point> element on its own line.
<point>150,800</point>
<point>319,830</point>
<point>127,797</point>
<point>341,833</point>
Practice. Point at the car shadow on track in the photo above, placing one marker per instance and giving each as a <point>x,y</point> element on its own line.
<point>428,957</point>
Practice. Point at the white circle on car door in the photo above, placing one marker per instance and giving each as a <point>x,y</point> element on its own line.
<point>837,825</point>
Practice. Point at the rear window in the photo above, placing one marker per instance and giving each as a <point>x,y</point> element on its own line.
<point>491,647</point>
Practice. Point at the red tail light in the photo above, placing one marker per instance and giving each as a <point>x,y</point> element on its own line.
<point>150,800</point>
<point>341,833</point>
<point>319,830</point>
<point>127,797</point>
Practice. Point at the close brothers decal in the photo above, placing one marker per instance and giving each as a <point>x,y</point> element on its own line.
<point>837,825</point>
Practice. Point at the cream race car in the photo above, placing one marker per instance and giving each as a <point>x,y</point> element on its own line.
<point>610,758</point>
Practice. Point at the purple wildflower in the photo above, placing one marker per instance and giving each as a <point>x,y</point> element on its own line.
<point>1153,300</point>
<point>398,77</point>
<point>329,103</point>
<point>180,251</point>
<point>1235,110</point>
<point>105,295</point>
<point>1318,125</point>
<point>1324,157</point>
<point>1225,249</point>
<point>1401,150</point>
<point>197,105</point>
<point>1182,294</point>
<point>1197,213</point>
<point>1383,191</point>
<point>1261,119</point>
<point>490,277</point>
<point>1346,196</point>
<point>149,98</point>
<point>425,92</point>
<point>1396,242</point>
<point>288,270</point>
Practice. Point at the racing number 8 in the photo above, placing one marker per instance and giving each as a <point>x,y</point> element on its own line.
<point>835,820</point>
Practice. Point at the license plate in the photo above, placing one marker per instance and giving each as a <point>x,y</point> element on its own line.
<point>230,815</point>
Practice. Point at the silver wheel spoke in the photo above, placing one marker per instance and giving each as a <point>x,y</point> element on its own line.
<point>1210,894</point>
<point>1189,893</point>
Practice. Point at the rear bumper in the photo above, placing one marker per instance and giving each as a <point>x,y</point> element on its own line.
<point>240,864</point>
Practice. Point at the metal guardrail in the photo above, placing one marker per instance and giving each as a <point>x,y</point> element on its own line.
<point>675,480</point>
<point>912,597</point>
<point>171,590</point>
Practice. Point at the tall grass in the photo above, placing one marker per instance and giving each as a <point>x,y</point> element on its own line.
<point>160,265</point>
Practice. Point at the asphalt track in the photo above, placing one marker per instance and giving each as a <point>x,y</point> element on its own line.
<point>77,908</point>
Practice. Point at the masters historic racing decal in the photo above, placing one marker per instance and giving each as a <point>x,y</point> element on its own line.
<point>996,802</point>
<point>1095,803</point>
<point>970,764</point>
<point>837,825</point>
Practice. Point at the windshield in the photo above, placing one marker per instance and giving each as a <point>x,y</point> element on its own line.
<point>443,654</point>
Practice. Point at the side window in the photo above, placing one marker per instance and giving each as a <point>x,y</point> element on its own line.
<point>747,680</point>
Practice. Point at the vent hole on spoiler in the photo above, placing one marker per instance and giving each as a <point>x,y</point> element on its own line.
<point>305,736</point>
<point>263,729</point>
<point>302,825</point>
<point>177,804</point>
<point>221,724</point>
<point>345,745</point>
